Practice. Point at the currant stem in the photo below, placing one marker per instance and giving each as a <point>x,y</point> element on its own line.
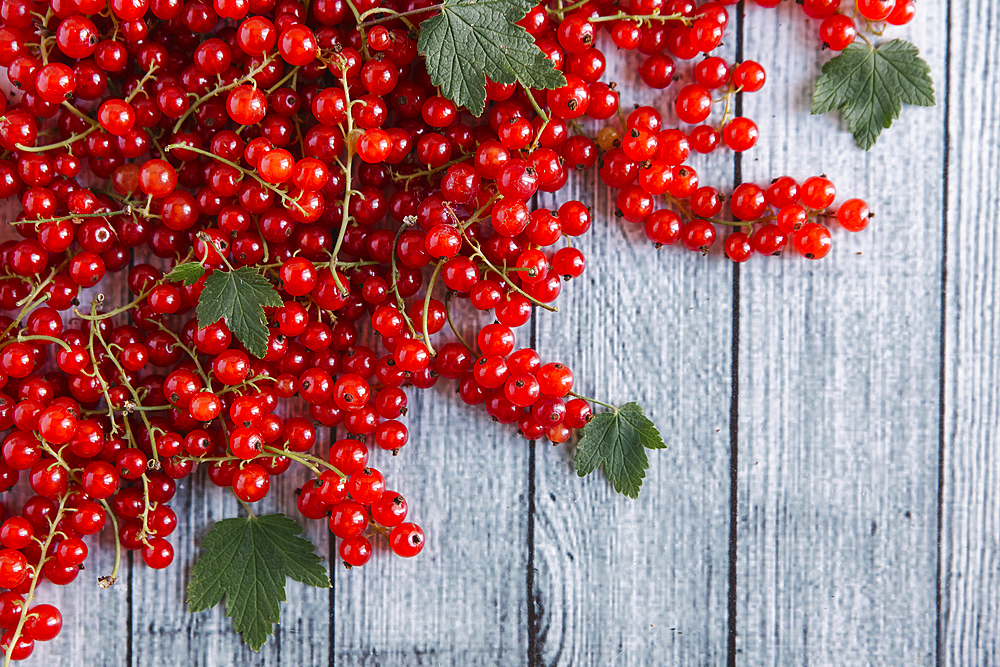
<point>143,535</point>
<point>109,214</point>
<point>53,522</point>
<point>593,400</point>
<point>394,271</point>
<point>246,505</point>
<point>738,223</point>
<point>309,461</point>
<point>97,373</point>
<point>79,114</point>
<point>447,312</point>
<point>639,18</point>
<point>135,397</point>
<point>216,91</point>
<point>562,11</point>
<point>291,74</point>
<point>479,253</point>
<point>427,305</point>
<point>112,578</point>
<point>541,114</point>
<point>345,220</point>
<point>268,186</point>
<point>50,339</point>
<point>194,357</point>
<point>62,144</point>
<point>394,15</point>
<point>117,311</point>
<point>427,172</point>
<point>142,82</point>
<point>24,311</point>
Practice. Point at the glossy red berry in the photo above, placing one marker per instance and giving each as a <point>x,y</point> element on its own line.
<point>812,241</point>
<point>407,540</point>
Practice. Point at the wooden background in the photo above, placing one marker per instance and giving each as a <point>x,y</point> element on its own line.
<point>831,495</point>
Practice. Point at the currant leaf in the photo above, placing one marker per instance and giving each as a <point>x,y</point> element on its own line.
<point>871,84</point>
<point>239,297</point>
<point>188,273</point>
<point>247,561</point>
<point>617,442</point>
<point>474,39</point>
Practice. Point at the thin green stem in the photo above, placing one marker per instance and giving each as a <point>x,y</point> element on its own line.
<point>25,609</point>
<point>79,114</point>
<point>738,223</point>
<point>117,311</point>
<point>447,312</point>
<point>61,144</point>
<point>291,74</point>
<point>541,114</point>
<point>110,580</point>
<point>346,217</point>
<point>142,82</point>
<point>194,357</point>
<point>24,311</point>
<point>562,11</point>
<point>108,214</point>
<point>268,186</point>
<point>394,272</point>
<point>477,252</point>
<point>427,305</point>
<point>394,15</point>
<point>406,178</point>
<point>150,431</point>
<point>246,506</point>
<point>58,341</point>
<point>216,91</point>
<point>640,18</point>
<point>593,400</point>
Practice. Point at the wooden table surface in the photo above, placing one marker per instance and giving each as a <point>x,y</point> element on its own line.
<point>831,494</point>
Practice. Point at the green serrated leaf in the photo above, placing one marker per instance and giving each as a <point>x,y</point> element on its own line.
<point>247,561</point>
<point>474,39</point>
<point>870,85</point>
<point>239,297</point>
<point>617,443</point>
<point>189,273</point>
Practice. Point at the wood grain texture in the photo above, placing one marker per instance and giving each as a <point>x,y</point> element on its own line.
<point>839,369</point>
<point>970,512</point>
<point>165,633</point>
<point>463,601</point>
<point>631,582</point>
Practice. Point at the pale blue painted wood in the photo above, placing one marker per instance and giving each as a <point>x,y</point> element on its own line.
<point>970,514</point>
<point>839,380</point>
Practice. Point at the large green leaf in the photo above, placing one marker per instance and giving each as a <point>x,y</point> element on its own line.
<point>247,561</point>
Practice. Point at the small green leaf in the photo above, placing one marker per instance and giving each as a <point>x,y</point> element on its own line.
<point>617,442</point>
<point>247,561</point>
<point>870,85</point>
<point>239,298</point>
<point>474,39</point>
<point>189,273</point>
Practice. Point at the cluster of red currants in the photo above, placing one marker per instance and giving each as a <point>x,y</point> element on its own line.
<point>309,144</point>
<point>838,30</point>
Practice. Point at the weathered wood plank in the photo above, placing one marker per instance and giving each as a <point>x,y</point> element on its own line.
<point>839,371</point>
<point>165,633</point>
<point>462,601</point>
<point>970,512</point>
<point>638,582</point>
